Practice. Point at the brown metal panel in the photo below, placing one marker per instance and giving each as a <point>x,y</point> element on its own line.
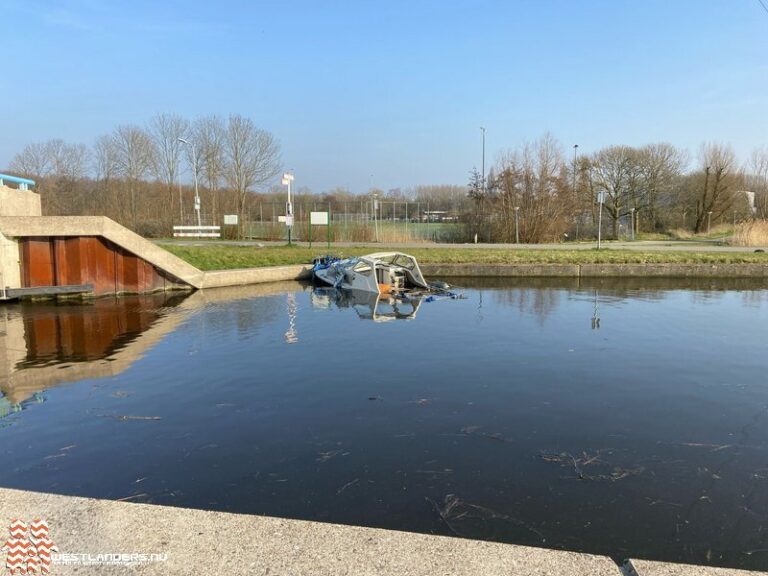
<point>75,261</point>
<point>67,261</point>
<point>100,264</point>
<point>59,261</point>
<point>130,277</point>
<point>91,260</point>
<point>107,262</point>
<point>148,280</point>
<point>37,262</point>
<point>89,263</point>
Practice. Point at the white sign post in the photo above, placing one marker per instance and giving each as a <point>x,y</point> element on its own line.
<point>230,219</point>
<point>287,179</point>
<point>320,219</point>
<point>600,202</point>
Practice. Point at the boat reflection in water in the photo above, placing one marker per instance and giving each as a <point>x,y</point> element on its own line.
<point>46,344</point>
<point>368,305</point>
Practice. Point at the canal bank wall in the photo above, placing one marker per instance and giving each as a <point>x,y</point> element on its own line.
<point>244,276</point>
<point>597,270</point>
<point>171,540</point>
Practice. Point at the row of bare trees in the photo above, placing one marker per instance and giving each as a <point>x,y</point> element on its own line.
<point>133,174</point>
<point>534,194</point>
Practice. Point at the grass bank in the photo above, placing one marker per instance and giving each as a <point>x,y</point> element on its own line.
<point>223,257</point>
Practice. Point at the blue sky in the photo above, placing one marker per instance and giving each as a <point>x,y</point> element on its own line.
<point>392,94</point>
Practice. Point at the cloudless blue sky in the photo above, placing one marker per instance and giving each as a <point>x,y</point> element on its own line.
<point>392,94</point>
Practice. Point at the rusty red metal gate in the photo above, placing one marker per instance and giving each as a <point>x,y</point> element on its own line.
<point>66,260</point>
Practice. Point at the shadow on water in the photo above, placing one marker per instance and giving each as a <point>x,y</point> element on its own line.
<point>626,417</point>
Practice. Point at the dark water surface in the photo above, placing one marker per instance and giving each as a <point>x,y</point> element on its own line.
<point>621,418</point>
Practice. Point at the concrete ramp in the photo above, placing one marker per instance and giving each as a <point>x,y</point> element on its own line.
<point>94,250</point>
<point>55,255</point>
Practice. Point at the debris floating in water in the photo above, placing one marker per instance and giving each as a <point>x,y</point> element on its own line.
<point>129,417</point>
<point>465,519</point>
<point>347,485</point>
<point>608,473</point>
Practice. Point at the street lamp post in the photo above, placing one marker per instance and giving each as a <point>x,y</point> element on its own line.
<point>194,171</point>
<point>483,164</point>
<point>575,150</point>
<point>709,221</point>
<point>578,213</point>
<point>632,221</point>
<point>517,224</point>
<point>375,215</point>
<point>600,200</point>
<point>286,181</point>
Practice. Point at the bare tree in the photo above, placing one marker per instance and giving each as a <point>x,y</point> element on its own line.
<point>534,199</point>
<point>165,131</point>
<point>210,135</point>
<point>615,173</point>
<point>715,196</point>
<point>105,158</point>
<point>759,180</point>
<point>58,167</point>
<point>660,166</point>
<point>253,158</point>
<point>33,161</point>
<point>135,156</point>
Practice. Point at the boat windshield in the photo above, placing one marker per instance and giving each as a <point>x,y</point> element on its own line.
<point>404,261</point>
<point>362,267</point>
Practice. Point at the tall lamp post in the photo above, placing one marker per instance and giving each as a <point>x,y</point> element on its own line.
<point>575,150</point>
<point>287,179</point>
<point>482,129</point>
<point>194,171</point>
<point>483,164</point>
<point>375,215</point>
<point>632,221</point>
<point>517,224</point>
<point>578,215</point>
<point>600,200</point>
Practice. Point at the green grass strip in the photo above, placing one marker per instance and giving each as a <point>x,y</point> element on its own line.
<point>225,257</point>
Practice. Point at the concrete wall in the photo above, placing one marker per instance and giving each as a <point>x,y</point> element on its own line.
<point>19,202</point>
<point>10,267</point>
<point>14,203</point>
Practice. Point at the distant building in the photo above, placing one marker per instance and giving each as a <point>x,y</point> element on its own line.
<point>750,200</point>
<point>437,216</point>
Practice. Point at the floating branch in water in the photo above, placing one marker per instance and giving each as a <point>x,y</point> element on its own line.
<point>456,511</point>
<point>128,417</point>
<point>578,464</point>
<point>325,456</point>
<point>347,485</point>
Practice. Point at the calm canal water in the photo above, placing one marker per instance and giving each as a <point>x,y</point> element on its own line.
<point>621,418</point>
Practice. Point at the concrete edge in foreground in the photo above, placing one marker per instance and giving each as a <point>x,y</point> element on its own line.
<point>201,542</point>
<point>651,568</point>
